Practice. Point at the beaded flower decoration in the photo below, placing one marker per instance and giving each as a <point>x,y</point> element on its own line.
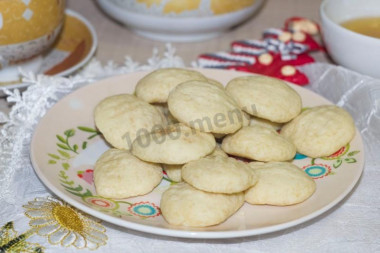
<point>276,55</point>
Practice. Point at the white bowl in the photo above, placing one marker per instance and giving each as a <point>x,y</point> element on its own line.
<point>177,29</point>
<point>350,49</point>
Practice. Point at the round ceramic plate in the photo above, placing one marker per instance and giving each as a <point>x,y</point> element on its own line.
<point>66,145</point>
<point>73,49</point>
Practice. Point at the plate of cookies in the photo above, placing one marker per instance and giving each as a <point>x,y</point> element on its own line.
<point>198,153</point>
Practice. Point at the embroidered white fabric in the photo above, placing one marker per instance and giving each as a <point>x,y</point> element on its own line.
<point>352,226</point>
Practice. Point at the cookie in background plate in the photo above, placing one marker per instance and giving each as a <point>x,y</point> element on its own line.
<point>219,175</point>
<point>119,174</point>
<point>205,107</point>
<point>259,143</point>
<point>121,118</point>
<point>184,205</point>
<point>156,86</point>
<point>173,144</point>
<point>265,97</point>
<point>320,131</point>
<point>279,184</point>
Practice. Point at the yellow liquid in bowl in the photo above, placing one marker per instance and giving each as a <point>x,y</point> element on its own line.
<point>369,26</point>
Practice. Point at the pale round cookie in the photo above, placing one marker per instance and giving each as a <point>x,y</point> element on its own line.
<point>279,184</point>
<point>320,131</point>
<point>174,144</point>
<point>156,86</point>
<point>183,205</point>
<point>247,119</point>
<point>246,122</point>
<point>265,97</point>
<point>205,107</point>
<point>259,143</point>
<point>215,83</point>
<point>174,171</point>
<point>218,151</point>
<point>121,118</point>
<point>163,108</point>
<point>266,123</point>
<point>119,174</point>
<point>253,164</point>
<point>219,175</point>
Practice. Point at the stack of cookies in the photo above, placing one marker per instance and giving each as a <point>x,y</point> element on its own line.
<point>199,132</point>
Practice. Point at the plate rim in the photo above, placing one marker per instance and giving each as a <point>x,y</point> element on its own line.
<point>93,47</point>
<point>172,232</point>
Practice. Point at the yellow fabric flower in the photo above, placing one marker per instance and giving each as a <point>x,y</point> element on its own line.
<point>64,225</point>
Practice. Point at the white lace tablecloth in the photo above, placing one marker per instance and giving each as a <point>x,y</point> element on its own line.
<point>351,226</point>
